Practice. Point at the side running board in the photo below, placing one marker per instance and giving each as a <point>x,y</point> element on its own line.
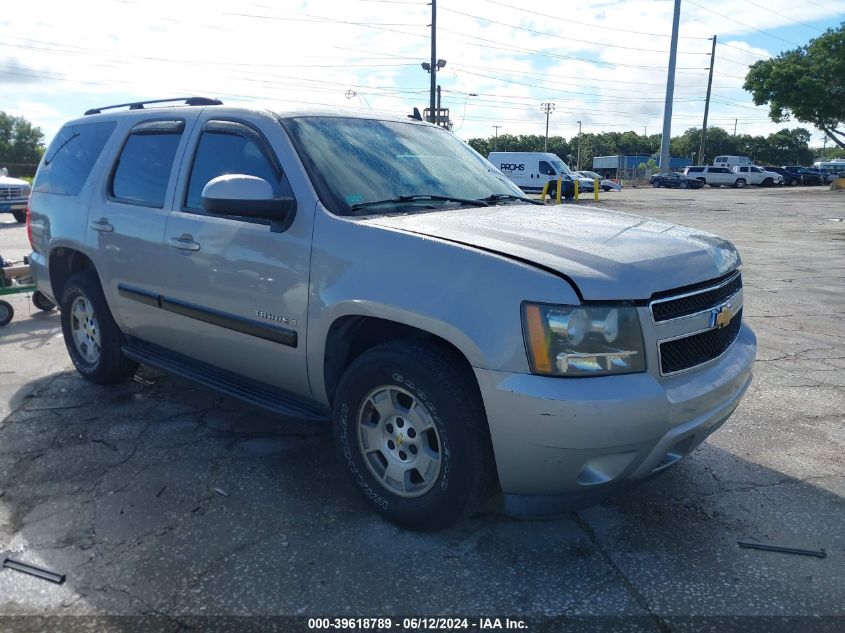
<point>226,382</point>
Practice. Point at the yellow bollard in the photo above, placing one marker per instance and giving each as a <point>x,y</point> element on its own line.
<point>596,189</point>
<point>545,191</point>
<point>575,184</point>
<point>557,197</point>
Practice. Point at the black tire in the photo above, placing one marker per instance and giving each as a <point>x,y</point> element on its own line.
<point>793,182</point>
<point>684,185</point>
<point>655,184</point>
<point>703,181</point>
<point>7,313</point>
<point>20,216</point>
<point>768,182</point>
<point>40,301</point>
<point>110,366</point>
<point>552,190</point>
<point>432,376</point>
<point>740,183</point>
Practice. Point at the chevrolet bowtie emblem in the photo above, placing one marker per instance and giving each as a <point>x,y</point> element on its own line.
<point>722,316</point>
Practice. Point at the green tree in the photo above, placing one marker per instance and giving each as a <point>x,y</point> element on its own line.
<point>20,141</point>
<point>807,83</point>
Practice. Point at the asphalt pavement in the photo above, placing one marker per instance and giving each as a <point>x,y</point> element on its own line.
<point>162,499</point>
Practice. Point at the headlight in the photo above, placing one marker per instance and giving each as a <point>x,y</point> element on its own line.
<point>582,341</point>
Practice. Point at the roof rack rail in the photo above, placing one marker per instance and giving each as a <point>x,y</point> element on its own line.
<point>139,105</point>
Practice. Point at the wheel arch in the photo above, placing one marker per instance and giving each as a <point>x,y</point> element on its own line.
<point>63,263</point>
<point>351,335</point>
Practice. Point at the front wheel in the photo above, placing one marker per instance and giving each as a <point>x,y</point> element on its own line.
<point>768,182</point>
<point>91,335</point>
<point>20,216</point>
<point>684,185</point>
<point>655,184</point>
<point>412,434</point>
<point>793,182</point>
<point>740,183</point>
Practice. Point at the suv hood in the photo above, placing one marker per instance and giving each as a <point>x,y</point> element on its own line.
<point>607,254</point>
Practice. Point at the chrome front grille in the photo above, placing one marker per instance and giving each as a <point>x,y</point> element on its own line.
<point>690,351</point>
<point>697,301</point>
<point>14,192</point>
<point>696,327</point>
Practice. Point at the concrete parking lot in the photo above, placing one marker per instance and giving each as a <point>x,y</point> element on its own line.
<point>116,487</point>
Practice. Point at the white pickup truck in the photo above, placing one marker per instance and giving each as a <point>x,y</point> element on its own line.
<point>753,175</point>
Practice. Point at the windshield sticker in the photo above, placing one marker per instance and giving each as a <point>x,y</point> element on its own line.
<point>354,199</point>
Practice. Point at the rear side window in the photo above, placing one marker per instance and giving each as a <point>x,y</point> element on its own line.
<point>70,157</point>
<point>695,170</point>
<point>227,147</point>
<point>142,170</point>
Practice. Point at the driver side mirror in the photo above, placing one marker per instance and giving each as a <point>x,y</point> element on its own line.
<point>249,197</point>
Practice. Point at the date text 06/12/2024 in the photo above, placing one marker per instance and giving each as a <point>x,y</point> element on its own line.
<point>417,624</point>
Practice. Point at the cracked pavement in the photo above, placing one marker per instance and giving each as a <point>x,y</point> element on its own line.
<point>160,497</point>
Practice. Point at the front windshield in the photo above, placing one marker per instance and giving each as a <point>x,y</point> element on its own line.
<point>354,161</point>
<point>561,167</point>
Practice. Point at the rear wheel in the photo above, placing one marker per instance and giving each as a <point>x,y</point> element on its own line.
<point>655,184</point>
<point>793,182</point>
<point>412,434</point>
<point>20,216</point>
<point>740,183</point>
<point>92,337</point>
<point>7,312</point>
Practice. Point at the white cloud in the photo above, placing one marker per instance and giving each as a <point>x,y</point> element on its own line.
<point>307,52</point>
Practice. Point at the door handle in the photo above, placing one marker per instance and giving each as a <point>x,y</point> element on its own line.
<point>102,225</point>
<point>184,243</point>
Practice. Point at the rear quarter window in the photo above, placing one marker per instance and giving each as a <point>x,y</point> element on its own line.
<point>71,156</point>
<point>695,170</point>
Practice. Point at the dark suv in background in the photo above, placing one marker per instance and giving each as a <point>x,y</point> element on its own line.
<point>805,176</point>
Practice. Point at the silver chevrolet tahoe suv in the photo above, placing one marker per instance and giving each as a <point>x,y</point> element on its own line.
<point>378,273</point>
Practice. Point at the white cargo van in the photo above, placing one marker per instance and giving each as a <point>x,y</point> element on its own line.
<point>531,170</point>
<point>731,161</point>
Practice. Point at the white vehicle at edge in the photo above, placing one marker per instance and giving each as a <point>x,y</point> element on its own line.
<point>754,175</point>
<point>530,170</point>
<point>834,168</point>
<point>731,161</point>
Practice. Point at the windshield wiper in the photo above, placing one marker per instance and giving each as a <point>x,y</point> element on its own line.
<point>496,197</point>
<point>418,198</point>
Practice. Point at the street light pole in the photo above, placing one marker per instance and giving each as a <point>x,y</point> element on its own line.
<point>496,142</point>
<point>548,108</point>
<point>433,89</point>
<point>670,90</point>
<point>578,160</point>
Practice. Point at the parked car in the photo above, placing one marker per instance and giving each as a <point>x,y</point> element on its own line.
<point>805,176</point>
<point>674,180</point>
<point>825,176</point>
<point>713,176</point>
<point>14,194</point>
<point>229,246</point>
<point>754,175</point>
<point>789,178</point>
<point>605,183</point>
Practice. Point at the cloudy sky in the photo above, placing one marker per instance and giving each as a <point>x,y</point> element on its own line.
<point>602,62</point>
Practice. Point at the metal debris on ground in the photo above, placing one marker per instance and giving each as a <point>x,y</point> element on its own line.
<point>32,570</point>
<point>221,492</point>
<point>784,550</point>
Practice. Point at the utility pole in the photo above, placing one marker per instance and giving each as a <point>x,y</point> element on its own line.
<point>578,160</point>
<point>670,90</point>
<point>701,158</point>
<point>433,115</point>
<point>735,120</point>
<point>496,142</point>
<point>548,108</point>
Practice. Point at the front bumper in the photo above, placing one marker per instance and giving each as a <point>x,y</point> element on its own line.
<point>581,436</point>
<point>7,206</point>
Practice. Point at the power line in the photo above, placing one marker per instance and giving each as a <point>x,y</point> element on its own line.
<point>748,26</point>
<point>568,38</point>
<point>783,15</point>
<point>746,51</point>
<point>569,21</point>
